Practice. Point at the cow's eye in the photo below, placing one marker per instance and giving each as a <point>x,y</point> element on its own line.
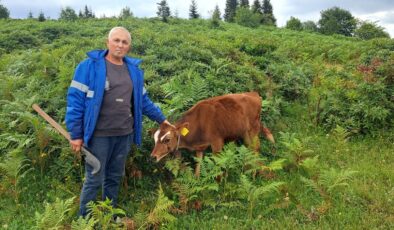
<point>166,141</point>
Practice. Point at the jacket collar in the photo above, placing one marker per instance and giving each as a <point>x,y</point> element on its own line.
<point>100,54</point>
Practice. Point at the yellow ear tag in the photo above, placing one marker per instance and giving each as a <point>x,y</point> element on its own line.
<point>184,131</point>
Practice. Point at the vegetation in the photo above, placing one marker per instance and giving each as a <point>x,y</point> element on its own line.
<point>245,17</point>
<point>337,21</point>
<point>229,11</point>
<point>294,24</point>
<point>327,100</point>
<point>193,14</point>
<point>125,13</point>
<point>216,18</point>
<point>163,11</point>
<point>4,12</point>
<point>68,14</point>
<point>369,30</point>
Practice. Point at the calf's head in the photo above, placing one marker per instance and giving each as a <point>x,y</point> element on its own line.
<point>166,139</point>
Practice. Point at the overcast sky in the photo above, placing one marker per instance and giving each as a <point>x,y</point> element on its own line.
<point>381,11</point>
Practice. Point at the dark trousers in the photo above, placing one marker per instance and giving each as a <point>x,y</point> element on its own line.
<point>112,153</point>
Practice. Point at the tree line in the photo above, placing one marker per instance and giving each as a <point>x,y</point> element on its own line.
<point>333,20</point>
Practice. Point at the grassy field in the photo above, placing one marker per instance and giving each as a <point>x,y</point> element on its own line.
<point>327,100</point>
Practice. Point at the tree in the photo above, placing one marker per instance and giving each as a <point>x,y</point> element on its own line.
<point>268,15</point>
<point>68,14</point>
<point>294,24</point>
<point>267,7</point>
<point>256,7</point>
<point>337,21</point>
<point>245,17</point>
<point>369,30</point>
<point>309,26</point>
<point>163,10</point>
<point>215,20</point>
<point>4,12</point>
<point>41,17</point>
<point>193,14</point>
<point>30,15</point>
<point>229,11</point>
<point>125,13</point>
<point>87,13</point>
<point>244,3</point>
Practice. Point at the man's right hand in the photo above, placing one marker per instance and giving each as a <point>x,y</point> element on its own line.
<point>76,145</point>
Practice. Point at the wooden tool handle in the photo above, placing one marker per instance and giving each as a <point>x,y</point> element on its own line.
<point>51,121</point>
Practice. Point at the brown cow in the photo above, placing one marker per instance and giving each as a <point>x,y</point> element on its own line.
<point>210,123</point>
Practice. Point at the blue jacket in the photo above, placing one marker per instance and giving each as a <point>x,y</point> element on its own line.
<point>86,92</point>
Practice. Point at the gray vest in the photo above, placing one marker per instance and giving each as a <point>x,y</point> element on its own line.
<point>115,118</point>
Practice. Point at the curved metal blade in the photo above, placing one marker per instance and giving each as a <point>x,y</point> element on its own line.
<point>91,160</point>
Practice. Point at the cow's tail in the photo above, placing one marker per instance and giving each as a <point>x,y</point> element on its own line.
<point>267,133</point>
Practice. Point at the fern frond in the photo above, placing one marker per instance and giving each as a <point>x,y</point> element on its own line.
<point>54,214</point>
<point>333,179</point>
<point>160,213</point>
<point>310,165</point>
<point>268,189</point>
<point>310,183</point>
<point>83,224</point>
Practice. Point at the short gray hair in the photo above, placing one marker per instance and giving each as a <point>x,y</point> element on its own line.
<point>119,28</point>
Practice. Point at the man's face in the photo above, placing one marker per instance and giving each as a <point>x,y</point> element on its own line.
<point>118,44</point>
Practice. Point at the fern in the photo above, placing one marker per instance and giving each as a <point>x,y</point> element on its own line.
<point>310,165</point>
<point>83,224</point>
<point>275,165</point>
<point>174,165</point>
<point>159,214</point>
<point>14,168</point>
<point>103,212</point>
<point>335,180</point>
<point>184,91</point>
<point>252,192</point>
<point>296,151</point>
<point>54,215</point>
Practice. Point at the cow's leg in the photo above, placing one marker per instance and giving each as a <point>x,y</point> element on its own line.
<point>217,145</point>
<point>199,155</point>
<point>252,141</point>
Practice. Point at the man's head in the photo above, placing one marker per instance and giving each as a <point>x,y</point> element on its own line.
<point>118,42</point>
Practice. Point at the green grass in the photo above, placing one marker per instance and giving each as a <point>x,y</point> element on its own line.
<point>185,61</point>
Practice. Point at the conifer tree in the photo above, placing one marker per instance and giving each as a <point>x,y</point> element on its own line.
<point>267,7</point>
<point>4,12</point>
<point>30,15</point>
<point>268,15</point>
<point>193,14</point>
<point>229,12</point>
<point>125,13</point>
<point>41,17</point>
<point>244,3</point>
<point>87,13</point>
<point>163,10</point>
<point>215,20</point>
<point>256,7</point>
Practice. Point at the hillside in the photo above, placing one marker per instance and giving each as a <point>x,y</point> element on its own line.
<point>328,100</point>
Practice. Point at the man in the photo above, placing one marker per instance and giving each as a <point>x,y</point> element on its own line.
<point>105,104</point>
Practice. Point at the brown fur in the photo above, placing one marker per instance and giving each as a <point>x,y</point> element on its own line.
<point>213,121</point>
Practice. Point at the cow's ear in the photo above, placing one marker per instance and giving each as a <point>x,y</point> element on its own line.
<point>183,128</point>
<point>152,131</point>
<point>183,125</point>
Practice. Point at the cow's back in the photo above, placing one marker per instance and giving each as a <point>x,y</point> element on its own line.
<point>228,117</point>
